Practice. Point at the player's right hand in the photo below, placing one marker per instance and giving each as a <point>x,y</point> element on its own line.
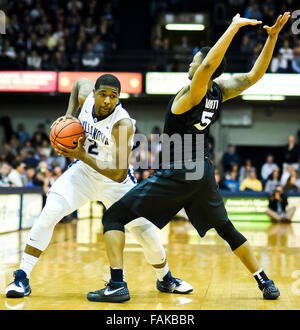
<point>280,22</point>
<point>64,118</point>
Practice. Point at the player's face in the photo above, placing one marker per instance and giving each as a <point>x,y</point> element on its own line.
<point>106,98</point>
<point>197,60</point>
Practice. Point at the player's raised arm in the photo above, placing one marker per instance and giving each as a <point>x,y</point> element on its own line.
<point>80,90</point>
<point>194,93</point>
<point>239,82</point>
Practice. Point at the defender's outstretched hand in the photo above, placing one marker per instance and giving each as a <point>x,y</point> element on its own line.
<point>280,22</point>
<point>242,21</point>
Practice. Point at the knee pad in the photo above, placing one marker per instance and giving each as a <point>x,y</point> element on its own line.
<point>55,209</point>
<point>116,217</point>
<point>41,232</point>
<point>147,236</point>
<point>233,237</point>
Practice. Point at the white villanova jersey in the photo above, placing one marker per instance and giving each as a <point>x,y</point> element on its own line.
<point>99,142</point>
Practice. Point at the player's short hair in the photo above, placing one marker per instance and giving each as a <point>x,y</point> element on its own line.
<point>109,80</point>
<point>220,69</point>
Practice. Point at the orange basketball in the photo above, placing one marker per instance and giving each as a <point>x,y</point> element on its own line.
<point>66,132</point>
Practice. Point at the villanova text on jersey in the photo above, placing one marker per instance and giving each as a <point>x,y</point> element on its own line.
<point>94,132</point>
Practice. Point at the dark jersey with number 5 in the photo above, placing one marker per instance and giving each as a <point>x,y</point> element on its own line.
<point>195,121</point>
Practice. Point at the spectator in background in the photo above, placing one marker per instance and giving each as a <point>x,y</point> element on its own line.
<point>230,158</point>
<point>251,183</point>
<point>247,45</point>
<point>246,170</point>
<point>292,183</point>
<point>34,61</point>
<point>21,60</point>
<point>98,45</point>
<point>7,154</point>
<point>59,62</point>
<point>183,55</point>
<point>232,184</point>
<point>91,60</point>
<point>5,169</point>
<point>22,134</point>
<point>279,64</point>
<point>273,181</point>
<point>29,175</point>
<point>30,159</point>
<point>296,57</point>
<point>277,210</point>
<point>47,62</point>
<point>268,167</point>
<point>286,52</point>
<point>253,11</point>
<point>9,50</point>
<point>291,154</point>
<point>219,180</point>
<point>56,160</point>
<point>16,176</point>
<point>41,132</point>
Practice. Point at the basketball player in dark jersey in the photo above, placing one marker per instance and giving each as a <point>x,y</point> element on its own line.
<point>160,197</point>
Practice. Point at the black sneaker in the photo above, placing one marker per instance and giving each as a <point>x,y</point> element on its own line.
<point>19,287</point>
<point>113,292</point>
<point>172,284</point>
<point>270,292</point>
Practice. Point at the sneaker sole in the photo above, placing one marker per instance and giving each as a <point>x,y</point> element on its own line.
<point>273,297</point>
<point>16,294</point>
<point>182,292</point>
<point>175,291</point>
<point>113,299</point>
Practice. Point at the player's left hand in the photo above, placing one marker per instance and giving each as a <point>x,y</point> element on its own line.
<point>280,22</point>
<point>78,153</point>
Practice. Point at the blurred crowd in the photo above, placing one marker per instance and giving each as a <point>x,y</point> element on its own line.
<point>58,35</point>
<point>78,35</point>
<point>286,58</point>
<point>29,160</point>
<point>244,176</point>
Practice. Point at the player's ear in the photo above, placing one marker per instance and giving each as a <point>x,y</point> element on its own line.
<point>94,91</point>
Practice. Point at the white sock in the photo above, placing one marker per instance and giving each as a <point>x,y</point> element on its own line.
<point>27,263</point>
<point>161,272</point>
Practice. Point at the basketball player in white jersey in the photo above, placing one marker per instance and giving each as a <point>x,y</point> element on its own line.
<point>91,177</point>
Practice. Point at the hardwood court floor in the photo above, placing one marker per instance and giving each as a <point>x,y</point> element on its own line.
<point>75,263</point>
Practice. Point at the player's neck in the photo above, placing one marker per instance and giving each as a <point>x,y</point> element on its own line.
<point>209,86</point>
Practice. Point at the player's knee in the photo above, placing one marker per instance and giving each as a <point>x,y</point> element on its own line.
<point>55,209</point>
<point>147,236</point>
<point>113,218</point>
<point>232,236</point>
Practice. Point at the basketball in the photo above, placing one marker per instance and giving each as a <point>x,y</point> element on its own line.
<point>66,132</point>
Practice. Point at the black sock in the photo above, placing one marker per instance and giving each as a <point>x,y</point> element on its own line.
<point>261,277</point>
<point>116,274</point>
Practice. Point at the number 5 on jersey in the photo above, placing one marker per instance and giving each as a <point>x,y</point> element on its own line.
<point>205,120</point>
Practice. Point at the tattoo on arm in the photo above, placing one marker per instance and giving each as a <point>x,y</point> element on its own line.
<point>234,86</point>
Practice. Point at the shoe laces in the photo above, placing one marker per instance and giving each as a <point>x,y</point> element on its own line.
<point>172,279</point>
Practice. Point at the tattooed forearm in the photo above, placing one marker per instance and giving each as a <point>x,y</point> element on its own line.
<point>234,86</point>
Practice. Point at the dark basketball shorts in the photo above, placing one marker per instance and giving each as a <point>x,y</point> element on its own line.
<point>161,196</point>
